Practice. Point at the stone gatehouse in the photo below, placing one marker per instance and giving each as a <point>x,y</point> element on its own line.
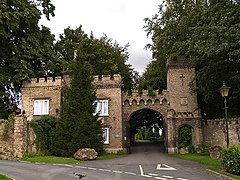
<point>177,106</point>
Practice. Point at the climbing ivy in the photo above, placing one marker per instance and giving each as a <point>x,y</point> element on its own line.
<point>9,125</point>
<point>43,128</point>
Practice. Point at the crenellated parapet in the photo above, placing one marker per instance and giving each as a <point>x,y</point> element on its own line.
<point>136,99</point>
<point>184,114</point>
<point>106,81</point>
<point>217,122</point>
<point>42,82</point>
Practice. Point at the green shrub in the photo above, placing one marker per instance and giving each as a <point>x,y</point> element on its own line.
<point>230,159</point>
<point>185,137</point>
<point>202,149</point>
<point>43,128</point>
<point>9,123</point>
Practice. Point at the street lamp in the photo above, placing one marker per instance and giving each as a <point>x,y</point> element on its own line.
<point>224,92</point>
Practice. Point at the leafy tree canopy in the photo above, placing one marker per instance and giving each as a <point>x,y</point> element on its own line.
<point>104,55</point>
<point>207,33</point>
<point>26,50</point>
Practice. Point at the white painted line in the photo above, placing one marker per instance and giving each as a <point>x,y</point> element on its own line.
<point>67,165</point>
<point>142,173</point>
<point>39,163</point>
<point>182,179</point>
<point>107,170</point>
<point>166,167</point>
<point>91,168</point>
<point>170,177</point>
<point>160,178</point>
<point>151,174</point>
<point>117,172</point>
<point>130,173</point>
<point>82,167</point>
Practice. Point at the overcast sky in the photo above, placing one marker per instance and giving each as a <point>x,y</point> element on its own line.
<point>121,20</point>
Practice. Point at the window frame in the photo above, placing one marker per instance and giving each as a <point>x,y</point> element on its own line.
<point>39,109</point>
<point>107,135</point>
<point>102,107</point>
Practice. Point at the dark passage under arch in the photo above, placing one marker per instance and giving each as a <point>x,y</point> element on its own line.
<point>146,125</point>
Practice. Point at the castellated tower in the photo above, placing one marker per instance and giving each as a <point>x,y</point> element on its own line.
<point>180,78</point>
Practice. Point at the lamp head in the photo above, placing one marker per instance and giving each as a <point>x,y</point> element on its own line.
<point>224,90</point>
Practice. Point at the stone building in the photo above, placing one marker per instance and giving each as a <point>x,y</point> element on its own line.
<point>177,107</point>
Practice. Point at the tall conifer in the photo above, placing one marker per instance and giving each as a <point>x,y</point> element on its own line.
<point>78,127</point>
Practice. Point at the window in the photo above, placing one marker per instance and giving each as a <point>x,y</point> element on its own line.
<point>105,135</point>
<point>41,107</point>
<point>102,108</point>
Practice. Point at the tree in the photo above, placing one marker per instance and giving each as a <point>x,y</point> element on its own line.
<point>105,56</point>
<point>26,50</point>
<point>206,33</point>
<point>78,127</point>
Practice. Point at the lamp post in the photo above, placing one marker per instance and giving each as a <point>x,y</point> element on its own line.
<point>224,92</point>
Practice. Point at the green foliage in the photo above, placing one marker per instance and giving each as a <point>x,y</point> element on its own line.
<point>26,50</point>
<point>78,127</point>
<point>202,149</point>
<point>105,56</point>
<point>151,93</point>
<point>230,159</point>
<point>2,177</point>
<point>207,33</point>
<point>44,128</point>
<point>9,125</point>
<point>185,137</point>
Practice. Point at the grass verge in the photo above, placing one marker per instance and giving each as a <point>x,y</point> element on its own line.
<point>212,164</point>
<point>51,159</point>
<point>2,177</point>
<point>40,157</point>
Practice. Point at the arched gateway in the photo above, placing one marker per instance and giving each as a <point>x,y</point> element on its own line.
<point>177,105</point>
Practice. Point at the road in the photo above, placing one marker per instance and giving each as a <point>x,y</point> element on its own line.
<point>146,161</point>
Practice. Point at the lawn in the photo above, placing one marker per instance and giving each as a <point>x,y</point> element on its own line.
<point>2,177</point>
<point>51,159</point>
<point>64,160</point>
<point>209,163</point>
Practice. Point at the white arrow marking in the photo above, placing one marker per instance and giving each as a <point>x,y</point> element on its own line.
<point>142,173</point>
<point>166,167</point>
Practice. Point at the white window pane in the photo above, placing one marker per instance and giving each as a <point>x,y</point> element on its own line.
<point>41,107</point>
<point>105,135</point>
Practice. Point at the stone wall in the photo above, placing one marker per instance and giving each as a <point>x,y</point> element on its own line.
<point>214,132</point>
<point>6,143</point>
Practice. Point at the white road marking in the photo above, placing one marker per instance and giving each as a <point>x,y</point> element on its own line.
<point>82,167</point>
<point>130,173</point>
<point>67,165</point>
<point>151,174</point>
<point>107,170</point>
<point>39,163</point>
<point>91,168</point>
<point>117,172</point>
<point>170,177</point>
<point>160,178</point>
<point>142,173</point>
<point>182,179</point>
<point>166,167</point>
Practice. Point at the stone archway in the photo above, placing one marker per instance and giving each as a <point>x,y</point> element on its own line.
<point>145,124</point>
